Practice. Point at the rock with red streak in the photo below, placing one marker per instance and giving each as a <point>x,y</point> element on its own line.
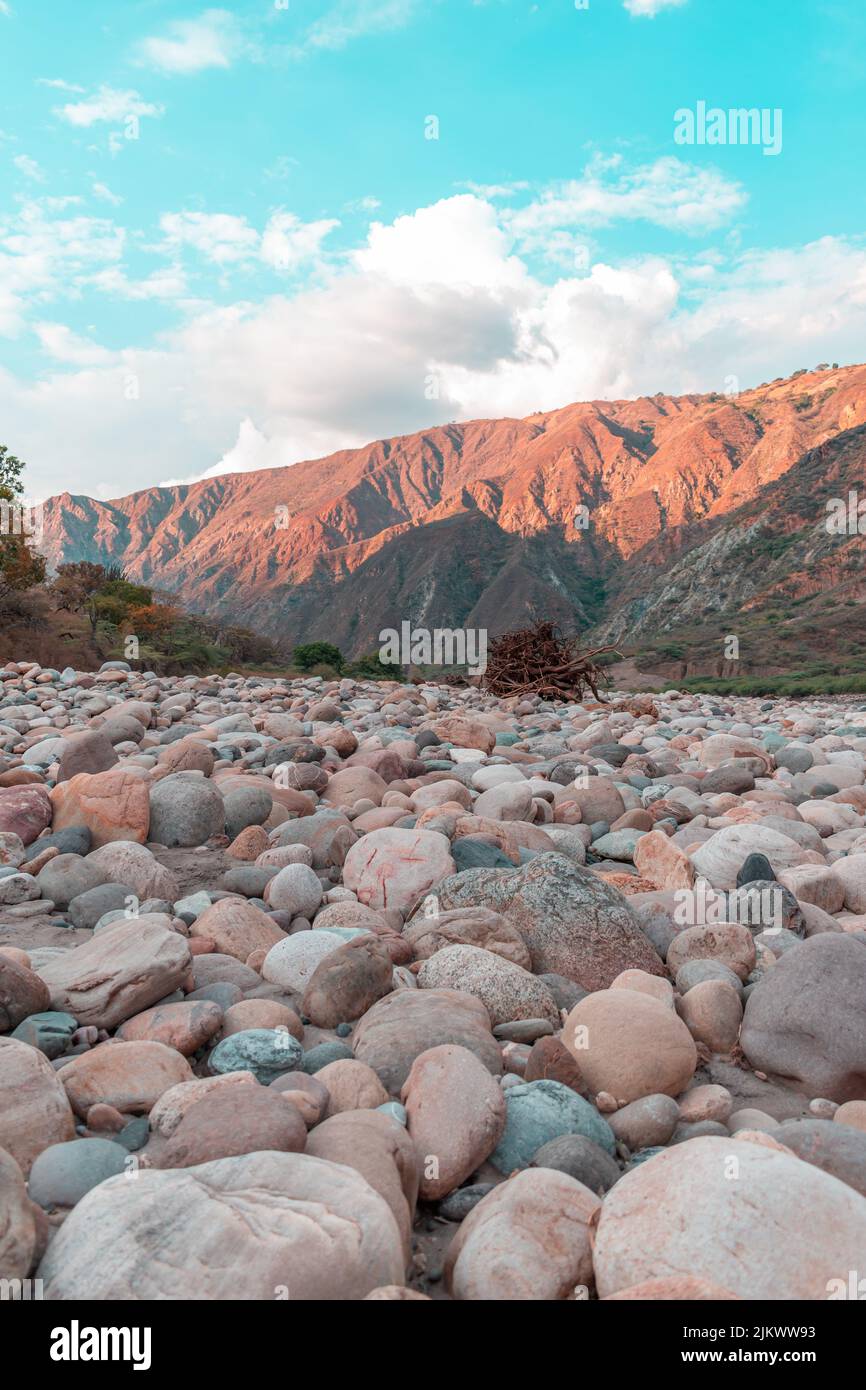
<point>394,868</point>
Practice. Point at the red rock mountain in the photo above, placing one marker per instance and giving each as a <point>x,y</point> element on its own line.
<point>624,516</point>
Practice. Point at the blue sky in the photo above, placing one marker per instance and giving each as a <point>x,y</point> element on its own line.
<point>227,242</point>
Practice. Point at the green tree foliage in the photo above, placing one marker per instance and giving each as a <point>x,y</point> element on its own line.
<point>313,654</point>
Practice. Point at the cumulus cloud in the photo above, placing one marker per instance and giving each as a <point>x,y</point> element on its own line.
<point>212,40</point>
<point>439,315</point>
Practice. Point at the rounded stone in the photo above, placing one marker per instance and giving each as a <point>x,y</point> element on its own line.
<point>64,1173</point>
<point>185,810</point>
<point>266,1052</point>
<point>296,1226</point>
<point>630,1045</point>
<point>788,1227</point>
<point>537,1111</point>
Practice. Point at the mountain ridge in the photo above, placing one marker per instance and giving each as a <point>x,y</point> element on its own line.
<point>475,523</point>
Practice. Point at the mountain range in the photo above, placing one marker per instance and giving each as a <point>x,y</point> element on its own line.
<point>664,524</point>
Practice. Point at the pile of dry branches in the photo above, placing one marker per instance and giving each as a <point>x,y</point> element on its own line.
<point>540,660</point>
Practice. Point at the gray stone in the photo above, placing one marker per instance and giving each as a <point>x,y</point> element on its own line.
<point>538,1111</point>
<point>185,809</point>
<point>62,1174</point>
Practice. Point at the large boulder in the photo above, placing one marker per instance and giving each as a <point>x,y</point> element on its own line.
<point>185,809</point>
<point>806,1020</point>
<point>24,811</point>
<point>34,1110</point>
<point>456,1115</point>
<point>122,970</point>
<point>393,868</point>
<point>19,1228</point>
<point>112,805</point>
<point>507,991</point>
<point>472,926</point>
<point>630,1045</point>
<point>574,924</point>
<point>378,1148</point>
<point>530,1238</point>
<point>747,1217</point>
<point>263,1226</point>
<point>130,1076</point>
<point>403,1025</point>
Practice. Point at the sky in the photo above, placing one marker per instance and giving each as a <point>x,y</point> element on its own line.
<point>237,236</point>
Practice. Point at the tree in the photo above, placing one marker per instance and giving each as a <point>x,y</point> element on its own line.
<point>21,567</point>
<point>317,654</point>
<point>75,588</point>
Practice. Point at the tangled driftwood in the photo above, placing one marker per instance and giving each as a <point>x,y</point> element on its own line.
<point>540,660</point>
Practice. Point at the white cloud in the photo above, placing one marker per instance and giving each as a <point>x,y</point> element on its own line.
<point>669,193</point>
<point>353,19</point>
<point>61,344</point>
<point>648,9</point>
<point>219,236</point>
<point>458,241</point>
<point>287,242</point>
<point>43,257</point>
<point>29,168</point>
<point>107,104</point>
<point>105,195</point>
<point>60,85</point>
<point>228,240</point>
<point>169,283</point>
<point>301,374</point>
<point>6,8</point>
<point>212,40</point>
